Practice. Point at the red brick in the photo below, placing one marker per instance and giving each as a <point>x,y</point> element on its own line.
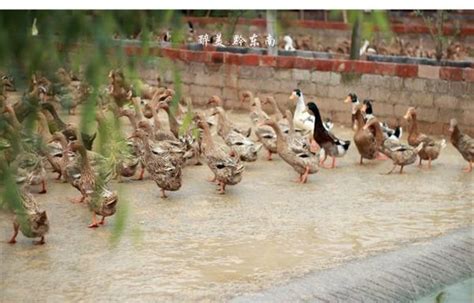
<point>131,50</point>
<point>468,74</point>
<point>197,56</point>
<point>323,65</point>
<point>451,73</point>
<point>250,60</point>
<point>285,62</point>
<point>343,66</point>
<point>155,51</point>
<point>384,68</point>
<point>230,58</point>
<point>363,67</point>
<point>406,70</point>
<point>209,48</point>
<point>303,63</point>
<point>217,57</point>
<point>268,61</point>
<point>171,53</point>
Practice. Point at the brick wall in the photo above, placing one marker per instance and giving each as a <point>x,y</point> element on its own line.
<point>440,93</point>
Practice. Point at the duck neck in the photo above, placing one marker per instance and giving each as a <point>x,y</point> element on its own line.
<point>455,135</point>
<point>281,141</point>
<point>174,125</point>
<point>138,110</point>
<point>413,125</point>
<point>85,164</point>
<point>43,127</point>
<point>222,123</point>
<point>359,120</point>
<point>378,131</point>
<point>276,109</point>
<point>318,123</point>
<point>207,137</point>
<point>300,105</point>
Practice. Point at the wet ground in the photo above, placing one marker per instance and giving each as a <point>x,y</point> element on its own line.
<point>198,245</point>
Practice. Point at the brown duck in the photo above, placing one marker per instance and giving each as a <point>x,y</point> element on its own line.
<point>463,143</point>
<point>401,154</point>
<point>431,148</point>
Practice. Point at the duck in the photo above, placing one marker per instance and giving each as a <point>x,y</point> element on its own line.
<point>331,145</point>
<point>226,167</point>
<point>163,168</point>
<point>265,134</point>
<point>296,141</point>
<point>278,115</point>
<point>431,148</point>
<point>463,143</point>
<point>245,147</point>
<point>61,159</point>
<point>302,120</point>
<point>30,170</point>
<point>102,167</point>
<point>188,136</point>
<point>368,111</point>
<point>217,102</point>
<point>119,150</point>
<point>367,143</point>
<point>94,188</point>
<point>304,163</point>
<point>29,218</point>
<point>354,100</point>
<point>401,154</point>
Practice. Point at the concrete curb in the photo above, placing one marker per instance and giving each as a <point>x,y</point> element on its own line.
<point>400,276</point>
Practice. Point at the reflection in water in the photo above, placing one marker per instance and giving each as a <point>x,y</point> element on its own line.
<point>198,245</point>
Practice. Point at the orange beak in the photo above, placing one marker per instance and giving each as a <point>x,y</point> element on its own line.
<point>348,99</point>
<point>293,96</point>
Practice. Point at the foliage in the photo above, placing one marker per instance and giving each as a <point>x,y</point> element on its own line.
<point>364,25</point>
<point>81,41</point>
<point>435,26</point>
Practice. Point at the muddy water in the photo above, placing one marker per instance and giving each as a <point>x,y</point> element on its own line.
<point>198,245</point>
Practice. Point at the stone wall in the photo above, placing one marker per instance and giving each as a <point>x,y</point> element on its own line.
<point>440,93</point>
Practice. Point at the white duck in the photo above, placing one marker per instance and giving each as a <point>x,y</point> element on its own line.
<point>288,43</point>
<point>302,120</point>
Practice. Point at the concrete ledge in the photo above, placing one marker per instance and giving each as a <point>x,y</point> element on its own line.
<point>399,276</point>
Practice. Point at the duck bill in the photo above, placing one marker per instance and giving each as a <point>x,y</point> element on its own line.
<point>406,117</point>
<point>348,99</point>
<point>293,96</point>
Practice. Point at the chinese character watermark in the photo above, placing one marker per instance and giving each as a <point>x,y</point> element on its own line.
<point>203,39</point>
<point>253,41</point>
<point>218,41</point>
<point>238,40</point>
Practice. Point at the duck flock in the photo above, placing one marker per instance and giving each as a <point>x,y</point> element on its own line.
<point>34,139</point>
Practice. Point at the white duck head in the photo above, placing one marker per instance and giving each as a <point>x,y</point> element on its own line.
<point>300,105</point>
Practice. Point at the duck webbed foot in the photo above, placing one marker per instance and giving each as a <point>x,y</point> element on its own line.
<point>94,223</point>
<point>77,200</point>
<point>16,227</point>
<point>163,194</point>
<point>269,156</point>
<point>40,242</point>
<point>43,187</point>
<point>468,169</point>
<point>142,172</point>
<point>393,168</point>
<point>221,190</point>
<point>304,177</point>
